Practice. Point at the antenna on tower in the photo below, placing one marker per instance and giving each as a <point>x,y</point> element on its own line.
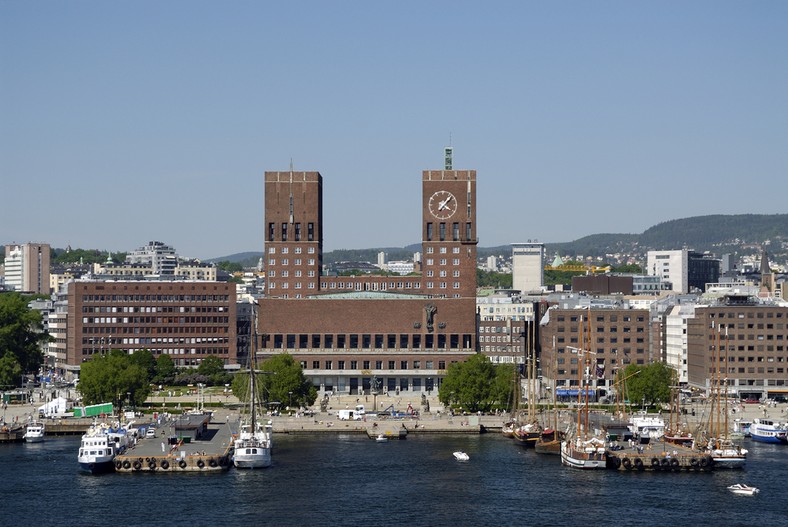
<point>448,154</point>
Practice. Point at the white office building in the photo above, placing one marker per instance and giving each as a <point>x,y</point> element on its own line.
<point>528,267</point>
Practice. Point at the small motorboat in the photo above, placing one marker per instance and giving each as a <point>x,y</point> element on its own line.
<point>381,438</point>
<point>461,456</point>
<point>744,490</point>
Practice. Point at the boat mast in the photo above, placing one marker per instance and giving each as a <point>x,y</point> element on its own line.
<point>252,368</point>
<point>727,347</point>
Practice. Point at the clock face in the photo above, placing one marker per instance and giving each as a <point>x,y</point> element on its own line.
<point>443,204</point>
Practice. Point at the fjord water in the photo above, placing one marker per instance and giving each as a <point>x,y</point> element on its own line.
<point>350,480</point>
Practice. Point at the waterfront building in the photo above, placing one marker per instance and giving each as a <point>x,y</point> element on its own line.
<point>186,320</point>
<point>27,267</point>
<point>675,336</point>
<point>528,267</point>
<point>616,335</point>
<point>748,337</point>
<point>354,333</point>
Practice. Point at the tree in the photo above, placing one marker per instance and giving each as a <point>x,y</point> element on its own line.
<point>210,365</point>
<point>10,370</point>
<point>145,360</point>
<point>283,381</point>
<point>111,377</point>
<point>21,332</point>
<point>476,384</point>
<point>165,369</point>
<point>651,385</point>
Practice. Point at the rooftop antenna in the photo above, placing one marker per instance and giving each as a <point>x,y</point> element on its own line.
<point>448,153</point>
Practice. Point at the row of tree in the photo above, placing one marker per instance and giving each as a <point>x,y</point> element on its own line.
<point>478,385</point>
<point>21,338</point>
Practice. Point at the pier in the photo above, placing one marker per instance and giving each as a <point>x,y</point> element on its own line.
<point>184,443</point>
<point>659,456</point>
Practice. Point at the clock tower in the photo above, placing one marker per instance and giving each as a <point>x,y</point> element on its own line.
<point>449,233</point>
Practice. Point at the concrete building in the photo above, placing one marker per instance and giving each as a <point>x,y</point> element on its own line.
<point>686,271</point>
<point>528,267</point>
<point>27,267</point>
<point>186,320</point>
<point>598,340</point>
<point>676,338</point>
<point>160,257</point>
<point>351,333</point>
<point>744,341</point>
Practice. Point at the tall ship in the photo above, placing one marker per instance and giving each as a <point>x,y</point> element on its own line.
<point>252,447</point>
<point>99,446</point>
<point>527,429</point>
<point>768,431</point>
<point>583,450</point>
<point>724,452</point>
<point>549,440</point>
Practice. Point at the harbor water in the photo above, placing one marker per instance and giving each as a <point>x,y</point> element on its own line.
<point>349,479</point>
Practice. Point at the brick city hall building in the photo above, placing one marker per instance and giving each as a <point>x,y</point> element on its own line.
<point>350,332</point>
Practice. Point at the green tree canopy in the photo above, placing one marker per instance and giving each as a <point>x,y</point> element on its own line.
<point>211,365</point>
<point>144,359</point>
<point>282,380</point>
<point>165,369</point>
<point>477,384</point>
<point>111,377</point>
<point>21,332</point>
<point>10,371</point>
<point>651,383</point>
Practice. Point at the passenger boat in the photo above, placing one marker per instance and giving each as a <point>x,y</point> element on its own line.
<point>34,432</point>
<point>99,446</point>
<point>741,428</point>
<point>252,447</point>
<point>381,438</point>
<point>768,431</point>
<point>743,490</point>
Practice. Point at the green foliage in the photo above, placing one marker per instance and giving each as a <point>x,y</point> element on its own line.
<point>165,369</point>
<point>21,332</point>
<point>629,268</point>
<point>477,384</point>
<point>145,360</point>
<point>211,365</point>
<point>493,279</point>
<point>111,377</point>
<point>282,375</point>
<point>652,383</point>
<point>10,371</point>
<point>230,267</point>
<point>87,256</point>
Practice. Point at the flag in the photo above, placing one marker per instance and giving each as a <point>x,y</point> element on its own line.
<point>600,370</point>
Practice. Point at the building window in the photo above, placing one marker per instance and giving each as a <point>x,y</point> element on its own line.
<point>284,232</point>
<point>271,230</point>
<point>442,231</point>
<point>310,231</point>
<point>429,231</point>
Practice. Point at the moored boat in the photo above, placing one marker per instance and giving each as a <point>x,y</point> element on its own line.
<point>768,431</point>
<point>99,446</point>
<point>461,456</point>
<point>34,432</point>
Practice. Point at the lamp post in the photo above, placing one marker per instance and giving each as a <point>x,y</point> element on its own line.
<point>291,399</point>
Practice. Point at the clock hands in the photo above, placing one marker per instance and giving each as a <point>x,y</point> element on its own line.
<point>443,204</point>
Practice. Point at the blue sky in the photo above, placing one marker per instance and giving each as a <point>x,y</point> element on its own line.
<point>123,122</point>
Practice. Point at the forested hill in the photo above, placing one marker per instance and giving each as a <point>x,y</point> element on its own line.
<point>716,233</point>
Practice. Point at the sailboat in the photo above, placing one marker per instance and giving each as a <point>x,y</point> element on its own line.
<point>724,452</point>
<point>549,441</point>
<point>253,444</point>
<point>527,433</point>
<point>583,451</point>
<point>675,433</point>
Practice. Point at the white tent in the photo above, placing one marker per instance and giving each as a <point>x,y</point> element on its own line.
<point>55,406</point>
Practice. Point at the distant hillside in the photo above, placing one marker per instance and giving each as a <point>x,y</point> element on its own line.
<point>716,233</point>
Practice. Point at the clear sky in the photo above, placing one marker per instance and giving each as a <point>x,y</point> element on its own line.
<point>128,121</point>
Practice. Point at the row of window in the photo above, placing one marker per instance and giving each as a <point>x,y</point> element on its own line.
<point>442,250</point>
<point>297,274</point>
<point>155,309</point>
<point>296,230</point>
<point>748,314</point>
<point>369,341</point>
<point>155,298</point>
<point>113,330</point>
<point>153,340</point>
<point>155,320</point>
<point>442,233</point>
<point>600,329</point>
<point>165,351</point>
<point>601,318</point>
<point>366,364</point>
<point>286,250</point>
<point>442,261</point>
<point>286,261</point>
